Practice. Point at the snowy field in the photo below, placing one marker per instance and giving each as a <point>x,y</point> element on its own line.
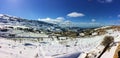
<point>53,48</point>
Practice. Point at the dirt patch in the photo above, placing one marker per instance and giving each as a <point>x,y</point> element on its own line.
<point>117,52</point>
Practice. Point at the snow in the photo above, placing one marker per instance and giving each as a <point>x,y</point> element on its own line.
<point>82,34</point>
<point>51,49</point>
<point>109,53</point>
<point>71,48</point>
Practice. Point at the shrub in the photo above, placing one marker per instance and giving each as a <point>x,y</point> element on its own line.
<point>107,40</point>
<point>36,56</point>
<point>4,30</point>
<point>12,35</point>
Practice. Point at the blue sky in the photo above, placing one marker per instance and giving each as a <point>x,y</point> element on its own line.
<point>80,11</point>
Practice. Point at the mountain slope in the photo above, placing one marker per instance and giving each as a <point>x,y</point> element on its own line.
<point>12,20</point>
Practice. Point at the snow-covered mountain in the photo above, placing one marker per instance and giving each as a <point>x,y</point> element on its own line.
<point>17,21</point>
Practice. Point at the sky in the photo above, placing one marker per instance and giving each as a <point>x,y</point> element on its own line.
<point>81,12</point>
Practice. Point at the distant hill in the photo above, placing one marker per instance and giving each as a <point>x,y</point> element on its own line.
<point>12,20</point>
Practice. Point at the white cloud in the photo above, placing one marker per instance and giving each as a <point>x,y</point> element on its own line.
<point>109,1</point>
<point>64,23</point>
<point>119,16</point>
<point>54,21</point>
<point>58,20</point>
<point>61,18</point>
<point>105,1</point>
<point>88,24</point>
<point>75,14</point>
<point>93,20</point>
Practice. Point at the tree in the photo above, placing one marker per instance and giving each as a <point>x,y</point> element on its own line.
<point>106,42</point>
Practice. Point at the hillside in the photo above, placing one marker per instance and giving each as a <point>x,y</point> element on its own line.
<point>38,45</point>
<point>20,37</point>
<point>9,20</point>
